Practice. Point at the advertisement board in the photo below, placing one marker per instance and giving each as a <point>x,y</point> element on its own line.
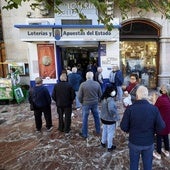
<point>19,96</point>
<point>6,92</point>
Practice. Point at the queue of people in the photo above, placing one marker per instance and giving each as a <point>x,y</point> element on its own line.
<point>142,119</point>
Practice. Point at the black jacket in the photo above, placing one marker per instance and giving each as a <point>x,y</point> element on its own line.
<point>63,94</point>
<point>40,96</point>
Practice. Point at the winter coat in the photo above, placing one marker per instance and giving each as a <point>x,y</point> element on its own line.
<point>109,113</point>
<point>142,120</point>
<point>89,92</point>
<point>63,94</point>
<point>119,79</point>
<point>74,79</point>
<point>132,88</point>
<point>163,104</point>
<point>40,96</point>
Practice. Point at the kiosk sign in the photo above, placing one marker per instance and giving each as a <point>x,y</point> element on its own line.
<point>89,34</point>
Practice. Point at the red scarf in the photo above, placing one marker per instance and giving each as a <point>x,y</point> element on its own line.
<point>131,86</point>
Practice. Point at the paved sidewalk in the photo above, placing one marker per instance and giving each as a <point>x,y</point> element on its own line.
<point>23,149</point>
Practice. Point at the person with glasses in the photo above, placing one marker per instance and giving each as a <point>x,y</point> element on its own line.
<point>162,139</point>
<point>133,85</point>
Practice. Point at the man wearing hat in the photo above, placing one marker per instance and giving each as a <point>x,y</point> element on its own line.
<point>40,98</point>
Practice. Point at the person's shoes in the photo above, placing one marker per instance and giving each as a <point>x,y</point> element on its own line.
<point>61,130</point>
<point>166,153</point>
<point>67,131</point>
<point>78,108</point>
<point>157,155</point>
<point>50,129</point>
<point>82,135</point>
<point>96,134</point>
<point>38,131</point>
<point>103,145</point>
<point>112,148</point>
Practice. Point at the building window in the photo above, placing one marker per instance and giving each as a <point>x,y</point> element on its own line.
<point>140,51</point>
<point>140,57</point>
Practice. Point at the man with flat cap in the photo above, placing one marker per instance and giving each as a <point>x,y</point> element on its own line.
<point>40,98</point>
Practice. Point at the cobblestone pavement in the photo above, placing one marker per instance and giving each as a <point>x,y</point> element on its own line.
<point>21,148</point>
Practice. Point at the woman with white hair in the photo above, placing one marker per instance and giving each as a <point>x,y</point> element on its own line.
<point>163,104</point>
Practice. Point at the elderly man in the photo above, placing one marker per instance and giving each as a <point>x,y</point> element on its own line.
<point>63,94</point>
<point>141,120</point>
<point>75,79</point>
<point>99,77</point>
<point>40,98</point>
<point>89,95</point>
<point>116,79</point>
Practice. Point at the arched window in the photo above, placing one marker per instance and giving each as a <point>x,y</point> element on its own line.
<point>140,50</point>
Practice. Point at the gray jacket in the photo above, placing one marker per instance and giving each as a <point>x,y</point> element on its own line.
<point>89,92</point>
<point>109,110</point>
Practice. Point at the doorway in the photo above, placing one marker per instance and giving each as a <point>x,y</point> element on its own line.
<point>85,58</point>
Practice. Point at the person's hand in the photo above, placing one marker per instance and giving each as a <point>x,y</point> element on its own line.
<point>153,98</point>
<point>123,87</point>
<point>126,93</point>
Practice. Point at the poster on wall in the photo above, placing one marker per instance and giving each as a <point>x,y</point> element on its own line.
<point>46,61</point>
<point>6,89</point>
<point>103,50</point>
<point>20,67</point>
<point>19,96</point>
<point>107,62</point>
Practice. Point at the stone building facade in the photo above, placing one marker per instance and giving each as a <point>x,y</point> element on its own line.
<point>46,44</point>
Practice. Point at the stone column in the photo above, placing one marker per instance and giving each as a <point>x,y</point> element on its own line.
<point>164,62</point>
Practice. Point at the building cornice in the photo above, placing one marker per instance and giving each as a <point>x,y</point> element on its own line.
<point>61,26</point>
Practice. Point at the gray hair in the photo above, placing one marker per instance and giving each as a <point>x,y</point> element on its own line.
<point>63,77</point>
<point>74,70</point>
<point>99,69</point>
<point>142,93</point>
<point>89,75</point>
<point>38,80</point>
<point>165,88</point>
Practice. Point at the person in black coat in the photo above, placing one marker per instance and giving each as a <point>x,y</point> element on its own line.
<point>63,94</point>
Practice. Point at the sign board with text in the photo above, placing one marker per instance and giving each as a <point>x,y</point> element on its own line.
<point>69,34</point>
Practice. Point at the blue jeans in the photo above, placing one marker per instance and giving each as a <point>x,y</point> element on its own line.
<point>102,87</point>
<point>119,93</point>
<point>85,111</point>
<point>78,104</point>
<point>108,134</point>
<point>147,155</point>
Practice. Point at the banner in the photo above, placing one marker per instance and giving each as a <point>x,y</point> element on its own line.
<point>46,61</point>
